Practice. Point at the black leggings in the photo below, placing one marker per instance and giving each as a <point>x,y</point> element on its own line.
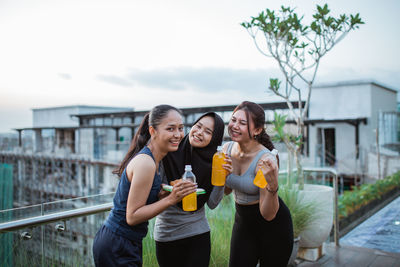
<point>192,251</point>
<point>256,240</point>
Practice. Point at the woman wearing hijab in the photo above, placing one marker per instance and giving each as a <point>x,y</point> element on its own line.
<point>183,238</point>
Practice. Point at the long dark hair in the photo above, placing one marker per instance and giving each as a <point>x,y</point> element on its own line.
<point>256,113</point>
<point>142,135</point>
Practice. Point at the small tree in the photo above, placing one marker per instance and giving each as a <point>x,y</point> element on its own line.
<point>298,50</point>
<point>291,142</point>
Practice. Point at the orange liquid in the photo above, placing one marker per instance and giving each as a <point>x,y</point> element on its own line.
<point>189,203</point>
<point>218,175</point>
<point>259,180</point>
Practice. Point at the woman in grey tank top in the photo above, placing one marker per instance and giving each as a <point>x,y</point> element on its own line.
<point>262,231</point>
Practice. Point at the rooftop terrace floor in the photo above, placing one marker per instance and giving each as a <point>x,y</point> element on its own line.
<point>354,256</point>
<point>375,242</point>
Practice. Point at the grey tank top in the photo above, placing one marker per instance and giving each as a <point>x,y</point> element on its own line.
<point>243,188</point>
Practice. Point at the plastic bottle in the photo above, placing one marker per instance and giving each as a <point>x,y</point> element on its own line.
<point>218,175</point>
<point>189,203</point>
<point>260,180</point>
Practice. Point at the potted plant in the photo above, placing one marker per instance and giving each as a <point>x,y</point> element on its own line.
<point>303,214</point>
<point>320,194</point>
<point>298,49</point>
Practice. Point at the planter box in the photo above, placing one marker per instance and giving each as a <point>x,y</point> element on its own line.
<point>350,222</point>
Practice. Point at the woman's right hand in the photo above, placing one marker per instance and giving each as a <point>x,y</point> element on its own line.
<point>181,189</point>
<point>228,165</point>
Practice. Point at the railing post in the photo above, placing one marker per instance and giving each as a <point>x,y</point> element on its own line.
<point>335,209</point>
<point>336,219</point>
<point>42,231</point>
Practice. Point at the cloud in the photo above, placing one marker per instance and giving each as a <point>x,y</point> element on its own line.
<point>65,76</point>
<point>113,79</point>
<point>204,79</point>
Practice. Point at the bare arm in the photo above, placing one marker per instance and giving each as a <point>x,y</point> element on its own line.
<point>269,203</point>
<point>141,174</point>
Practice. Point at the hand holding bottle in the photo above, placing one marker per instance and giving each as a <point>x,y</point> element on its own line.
<point>228,165</point>
<point>218,173</point>
<point>181,189</point>
<point>267,172</point>
<point>189,202</point>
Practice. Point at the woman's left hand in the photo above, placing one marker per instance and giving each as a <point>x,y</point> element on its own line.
<point>163,193</point>
<point>270,171</point>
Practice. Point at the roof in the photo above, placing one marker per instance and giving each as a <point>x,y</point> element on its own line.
<point>84,106</point>
<point>267,106</point>
<point>354,83</point>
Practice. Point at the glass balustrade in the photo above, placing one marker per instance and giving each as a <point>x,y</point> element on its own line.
<point>64,242</point>
<point>66,238</point>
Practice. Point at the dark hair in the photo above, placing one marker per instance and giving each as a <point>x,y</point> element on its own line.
<point>142,135</point>
<point>256,113</point>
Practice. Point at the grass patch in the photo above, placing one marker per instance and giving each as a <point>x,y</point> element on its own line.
<point>221,223</point>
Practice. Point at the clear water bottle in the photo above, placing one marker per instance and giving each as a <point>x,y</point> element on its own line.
<point>189,203</point>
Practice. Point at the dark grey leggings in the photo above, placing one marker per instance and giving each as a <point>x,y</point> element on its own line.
<point>110,249</point>
<point>256,240</point>
<point>192,251</point>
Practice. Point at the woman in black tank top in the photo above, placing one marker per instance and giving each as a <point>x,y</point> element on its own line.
<point>262,232</point>
<point>119,240</point>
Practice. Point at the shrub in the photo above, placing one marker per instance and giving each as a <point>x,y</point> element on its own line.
<point>350,201</point>
<point>303,212</point>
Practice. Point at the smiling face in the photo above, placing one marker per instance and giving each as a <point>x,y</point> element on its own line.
<point>238,127</point>
<point>169,132</point>
<point>201,133</point>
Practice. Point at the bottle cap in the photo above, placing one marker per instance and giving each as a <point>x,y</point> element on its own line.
<point>188,167</point>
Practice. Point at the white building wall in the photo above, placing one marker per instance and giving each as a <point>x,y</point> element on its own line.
<point>340,102</point>
<point>55,117</point>
<point>344,144</point>
<point>61,116</point>
<point>345,139</point>
<point>86,142</point>
<point>349,101</point>
<point>382,100</point>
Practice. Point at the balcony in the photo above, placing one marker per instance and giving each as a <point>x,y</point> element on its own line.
<point>60,233</point>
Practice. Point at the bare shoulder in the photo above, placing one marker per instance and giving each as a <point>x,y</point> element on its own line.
<point>141,164</point>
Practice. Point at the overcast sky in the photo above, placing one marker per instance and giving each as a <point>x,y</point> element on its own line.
<point>187,53</point>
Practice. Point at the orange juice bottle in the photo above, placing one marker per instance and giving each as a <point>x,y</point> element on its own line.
<point>189,203</point>
<point>260,180</point>
<point>218,174</point>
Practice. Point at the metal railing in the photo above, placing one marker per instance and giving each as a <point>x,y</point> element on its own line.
<point>54,217</point>
<point>78,212</point>
<point>333,172</point>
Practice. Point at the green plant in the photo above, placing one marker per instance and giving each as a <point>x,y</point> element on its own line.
<point>289,140</point>
<point>350,201</point>
<point>221,222</point>
<point>303,212</point>
<point>298,49</point>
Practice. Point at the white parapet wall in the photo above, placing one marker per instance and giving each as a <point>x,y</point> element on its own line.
<point>389,164</point>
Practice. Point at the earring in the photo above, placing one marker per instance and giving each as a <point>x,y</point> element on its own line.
<point>255,137</point>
